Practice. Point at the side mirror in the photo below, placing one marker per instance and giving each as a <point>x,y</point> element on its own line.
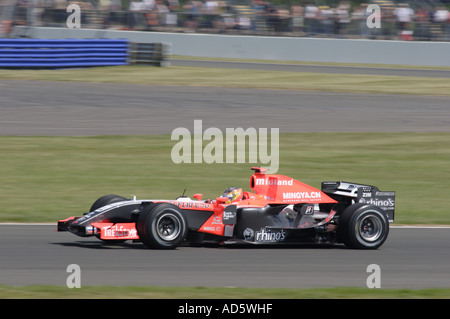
<point>198,196</point>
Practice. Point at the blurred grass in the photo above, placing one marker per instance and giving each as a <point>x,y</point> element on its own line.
<point>190,76</point>
<point>359,65</point>
<point>49,178</point>
<point>108,292</point>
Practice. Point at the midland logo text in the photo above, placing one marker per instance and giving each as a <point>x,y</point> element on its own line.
<point>273,181</point>
<point>237,145</point>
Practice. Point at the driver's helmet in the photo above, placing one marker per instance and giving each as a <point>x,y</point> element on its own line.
<point>233,194</point>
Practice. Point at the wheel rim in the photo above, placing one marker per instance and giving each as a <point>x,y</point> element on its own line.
<point>168,227</point>
<point>370,228</point>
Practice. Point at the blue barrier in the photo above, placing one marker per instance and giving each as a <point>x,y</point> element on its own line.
<point>62,53</point>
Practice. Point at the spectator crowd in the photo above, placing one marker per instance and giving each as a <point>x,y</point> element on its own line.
<point>420,20</point>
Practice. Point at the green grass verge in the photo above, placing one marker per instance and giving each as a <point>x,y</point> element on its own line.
<point>108,292</point>
<point>190,76</point>
<point>49,178</point>
<point>360,65</point>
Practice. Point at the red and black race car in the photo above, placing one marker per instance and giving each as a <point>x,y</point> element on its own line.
<point>277,210</point>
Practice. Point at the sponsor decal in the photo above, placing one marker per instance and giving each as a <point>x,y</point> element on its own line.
<point>269,236</point>
<point>191,205</point>
<point>264,235</point>
<point>249,234</point>
<point>229,217</point>
<point>384,200</point>
<point>217,220</point>
<point>273,181</point>
<point>213,225</point>
<point>309,210</point>
<point>381,202</point>
<point>302,195</point>
<point>119,231</point>
<point>212,229</point>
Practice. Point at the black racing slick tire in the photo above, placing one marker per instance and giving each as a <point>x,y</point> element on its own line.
<point>363,226</point>
<point>103,201</point>
<point>106,200</point>
<point>162,226</point>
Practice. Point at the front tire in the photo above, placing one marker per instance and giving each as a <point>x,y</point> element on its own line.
<point>103,201</point>
<point>162,226</point>
<point>106,200</point>
<point>363,226</point>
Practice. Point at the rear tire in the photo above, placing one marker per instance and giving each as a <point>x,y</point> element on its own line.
<point>162,226</point>
<point>363,226</point>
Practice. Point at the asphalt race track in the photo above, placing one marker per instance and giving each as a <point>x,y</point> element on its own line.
<point>74,108</point>
<point>36,254</point>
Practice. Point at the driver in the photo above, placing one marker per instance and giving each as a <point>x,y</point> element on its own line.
<point>234,194</point>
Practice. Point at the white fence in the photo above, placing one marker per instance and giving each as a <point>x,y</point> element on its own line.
<point>270,48</point>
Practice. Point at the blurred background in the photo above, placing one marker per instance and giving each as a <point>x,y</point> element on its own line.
<point>420,20</point>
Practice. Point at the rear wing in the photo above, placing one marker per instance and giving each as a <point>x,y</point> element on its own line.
<point>359,193</point>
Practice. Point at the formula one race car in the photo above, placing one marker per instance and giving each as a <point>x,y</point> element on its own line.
<point>278,210</point>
